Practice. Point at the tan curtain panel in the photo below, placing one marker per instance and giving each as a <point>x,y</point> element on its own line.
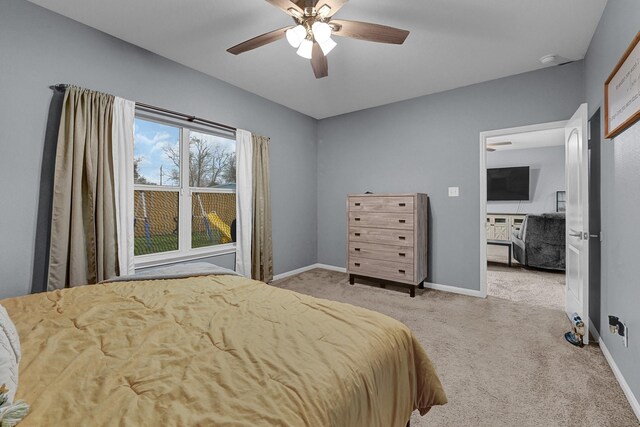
<point>83,222</point>
<point>261,244</point>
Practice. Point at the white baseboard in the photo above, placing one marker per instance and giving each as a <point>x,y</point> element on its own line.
<point>307,268</point>
<point>331,267</point>
<point>454,290</point>
<point>435,286</point>
<point>635,405</point>
<point>294,272</point>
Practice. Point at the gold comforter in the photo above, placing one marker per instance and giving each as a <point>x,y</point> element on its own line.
<point>214,350</point>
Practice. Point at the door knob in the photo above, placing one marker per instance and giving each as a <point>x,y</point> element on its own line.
<point>579,234</point>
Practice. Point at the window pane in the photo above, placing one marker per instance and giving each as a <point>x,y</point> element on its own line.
<point>213,216</point>
<point>156,154</point>
<point>156,221</point>
<point>212,161</point>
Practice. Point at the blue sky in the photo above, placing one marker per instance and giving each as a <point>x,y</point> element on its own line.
<point>150,144</point>
<point>150,139</point>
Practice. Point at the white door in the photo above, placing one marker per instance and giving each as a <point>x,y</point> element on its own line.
<point>577,223</point>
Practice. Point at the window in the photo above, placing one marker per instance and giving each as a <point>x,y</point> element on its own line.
<point>184,200</point>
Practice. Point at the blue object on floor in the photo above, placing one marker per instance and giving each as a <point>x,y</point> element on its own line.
<point>573,339</point>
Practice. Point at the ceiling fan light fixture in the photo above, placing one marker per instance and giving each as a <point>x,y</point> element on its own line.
<point>295,13</point>
<point>327,46</point>
<point>306,49</point>
<point>321,31</point>
<point>295,35</point>
<point>324,10</point>
<point>312,30</point>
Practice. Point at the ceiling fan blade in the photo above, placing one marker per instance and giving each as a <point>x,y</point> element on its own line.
<point>334,6</point>
<point>370,32</point>
<point>319,62</point>
<point>285,5</point>
<point>258,41</point>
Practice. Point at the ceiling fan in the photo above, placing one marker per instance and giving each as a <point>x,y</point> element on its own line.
<point>491,147</point>
<point>311,35</point>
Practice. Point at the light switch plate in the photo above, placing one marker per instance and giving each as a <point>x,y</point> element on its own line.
<point>454,191</point>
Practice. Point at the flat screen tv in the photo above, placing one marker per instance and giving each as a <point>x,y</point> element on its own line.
<point>508,183</point>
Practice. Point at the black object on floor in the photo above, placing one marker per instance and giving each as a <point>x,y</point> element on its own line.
<point>573,339</point>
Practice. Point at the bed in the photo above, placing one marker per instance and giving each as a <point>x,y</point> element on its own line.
<point>214,349</point>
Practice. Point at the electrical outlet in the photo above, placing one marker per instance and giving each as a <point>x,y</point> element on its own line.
<point>616,326</point>
<point>454,191</point>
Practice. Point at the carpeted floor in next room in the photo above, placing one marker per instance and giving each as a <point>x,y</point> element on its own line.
<point>517,283</point>
<point>502,363</point>
<point>526,285</point>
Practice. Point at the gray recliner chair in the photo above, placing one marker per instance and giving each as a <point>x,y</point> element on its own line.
<point>541,241</point>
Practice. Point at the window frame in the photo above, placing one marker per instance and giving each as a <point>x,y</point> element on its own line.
<point>185,198</point>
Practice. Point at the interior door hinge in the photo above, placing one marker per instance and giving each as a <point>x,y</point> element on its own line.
<point>589,131</point>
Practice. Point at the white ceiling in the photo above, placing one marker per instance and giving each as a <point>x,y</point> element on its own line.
<point>536,139</point>
<point>453,43</point>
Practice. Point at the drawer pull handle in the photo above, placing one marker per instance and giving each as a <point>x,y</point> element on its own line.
<point>357,249</point>
<point>401,271</point>
<point>357,219</point>
<point>357,234</point>
<point>402,238</point>
<point>402,221</point>
<point>402,254</point>
<point>357,204</point>
<point>402,204</point>
<point>357,264</point>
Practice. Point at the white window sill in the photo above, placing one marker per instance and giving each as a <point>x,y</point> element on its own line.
<point>173,257</point>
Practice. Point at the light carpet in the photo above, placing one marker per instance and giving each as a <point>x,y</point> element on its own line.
<point>502,363</point>
<point>516,283</point>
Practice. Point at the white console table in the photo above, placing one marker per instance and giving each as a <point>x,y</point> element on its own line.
<point>501,226</point>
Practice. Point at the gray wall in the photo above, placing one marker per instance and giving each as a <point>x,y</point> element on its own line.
<point>620,166</point>
<point>39,48</point>
<point>426,145</point>
<point>546,176</point>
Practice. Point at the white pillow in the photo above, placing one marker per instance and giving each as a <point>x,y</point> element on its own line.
<point>9,353</point>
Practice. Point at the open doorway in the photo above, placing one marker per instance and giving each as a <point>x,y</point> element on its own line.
<point>523,209</point>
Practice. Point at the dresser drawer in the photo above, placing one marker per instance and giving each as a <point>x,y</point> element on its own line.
<point>402,254</point>
<point>381,235</point>
<point>381,220</point>
<point>403,204</point>
<point>399,271</point>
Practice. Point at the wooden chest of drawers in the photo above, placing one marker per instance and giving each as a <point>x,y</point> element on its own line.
<point>387,237</point>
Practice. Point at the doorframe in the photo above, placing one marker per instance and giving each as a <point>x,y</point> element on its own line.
<point>483,186</point>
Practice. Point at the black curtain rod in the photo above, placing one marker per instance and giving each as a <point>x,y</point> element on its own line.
<point>184,116</point>
<point>166,111</point>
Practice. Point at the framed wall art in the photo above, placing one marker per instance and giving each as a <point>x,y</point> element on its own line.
<point>622,92</point>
